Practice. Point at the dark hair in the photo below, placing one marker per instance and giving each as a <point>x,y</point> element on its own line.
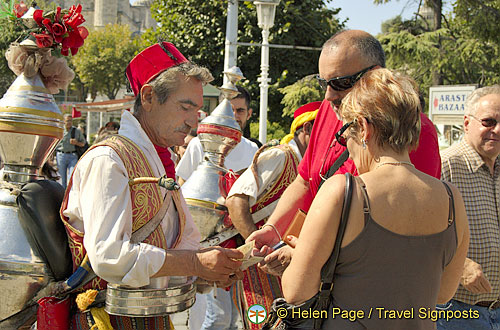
<point>243,94</point>
<point>113,124</point>
<point>369,47</point>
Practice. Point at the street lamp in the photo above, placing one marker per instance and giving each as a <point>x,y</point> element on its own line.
<point>265,18</point>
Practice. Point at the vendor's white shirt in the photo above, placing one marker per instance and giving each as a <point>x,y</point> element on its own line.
<point>239,158</point>
<point>100,206</point>
<point>269,166</point>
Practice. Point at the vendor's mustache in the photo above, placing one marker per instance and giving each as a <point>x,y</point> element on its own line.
<point>183,129</point>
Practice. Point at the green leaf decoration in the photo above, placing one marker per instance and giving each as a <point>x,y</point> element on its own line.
<point>7,9</point>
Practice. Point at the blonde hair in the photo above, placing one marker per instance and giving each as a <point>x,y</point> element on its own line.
<point>390,102</point>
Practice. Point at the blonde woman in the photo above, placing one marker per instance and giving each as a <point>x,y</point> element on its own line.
<point>407,234</point>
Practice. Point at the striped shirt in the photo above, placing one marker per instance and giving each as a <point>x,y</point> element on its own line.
<point>463,166</point>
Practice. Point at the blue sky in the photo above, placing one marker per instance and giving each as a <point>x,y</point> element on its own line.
<point>364,15</point>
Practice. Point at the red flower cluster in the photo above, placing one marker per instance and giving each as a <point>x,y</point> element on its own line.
<point>65,31</point>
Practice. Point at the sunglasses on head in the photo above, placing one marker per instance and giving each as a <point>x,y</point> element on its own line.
<point>342,83</point>
<point>486,122</point>
<point>339,135</point>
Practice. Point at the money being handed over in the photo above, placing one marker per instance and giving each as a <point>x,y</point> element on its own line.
<point>248,259</point>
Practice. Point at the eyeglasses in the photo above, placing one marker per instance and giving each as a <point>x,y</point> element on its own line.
<point>339,135</point>
<point>486,122</point>
<point>342,83</point>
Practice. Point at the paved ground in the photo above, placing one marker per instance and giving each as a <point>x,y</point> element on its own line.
<point>180,321</point>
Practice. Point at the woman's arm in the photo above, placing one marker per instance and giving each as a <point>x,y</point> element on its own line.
<point>453,271</point>
<point>302,277</point>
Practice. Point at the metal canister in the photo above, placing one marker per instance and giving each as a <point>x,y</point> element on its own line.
<point>149,302</point>
<point>219,133</point>
<point>30,128</point>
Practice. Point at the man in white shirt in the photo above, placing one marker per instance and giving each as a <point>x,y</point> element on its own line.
<point>104,207</point>
<point>216,310</point>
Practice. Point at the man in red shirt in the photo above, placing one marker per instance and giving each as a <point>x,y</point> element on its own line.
<point>344,59</point>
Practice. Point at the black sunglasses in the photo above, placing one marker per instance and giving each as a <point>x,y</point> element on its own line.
<point>487,122</point>
<point>339,135</point>
<point>342,83</point>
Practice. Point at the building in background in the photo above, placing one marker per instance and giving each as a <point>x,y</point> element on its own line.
<point>99,13</point>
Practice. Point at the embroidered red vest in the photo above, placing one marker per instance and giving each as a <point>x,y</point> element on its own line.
<point>288,174</point>
<point>146,201</point>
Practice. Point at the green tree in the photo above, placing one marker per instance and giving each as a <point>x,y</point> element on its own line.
<point>198,29</point>
<point>100,63</point>
<point>456,51</point>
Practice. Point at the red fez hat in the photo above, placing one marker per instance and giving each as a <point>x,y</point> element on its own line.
<point>152,61</point>
<point>306,108</point>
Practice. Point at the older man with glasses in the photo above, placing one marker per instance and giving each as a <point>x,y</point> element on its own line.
<point>344,59</point>
<point>473,166</point>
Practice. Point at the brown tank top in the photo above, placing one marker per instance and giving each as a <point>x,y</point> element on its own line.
<point>384,280</point>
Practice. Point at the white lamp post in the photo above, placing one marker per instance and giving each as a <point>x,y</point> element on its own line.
<point>265,17</point>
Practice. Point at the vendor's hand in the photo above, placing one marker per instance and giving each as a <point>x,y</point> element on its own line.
<point>217,263</point>
<point>473,279</point>
<point>73,141</point>
<point>264,236</point>
<point>276,262</point>
<point>233,278</point>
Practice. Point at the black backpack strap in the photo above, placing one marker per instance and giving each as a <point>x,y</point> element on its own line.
<point>335,167</point>
<point>73,132</point>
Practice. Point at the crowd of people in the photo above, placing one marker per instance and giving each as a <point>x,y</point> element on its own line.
<point>423,227</point>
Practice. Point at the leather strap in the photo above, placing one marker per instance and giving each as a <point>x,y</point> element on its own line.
<point>328,270</point>
<point>335,167</point>
<point>142,233</point>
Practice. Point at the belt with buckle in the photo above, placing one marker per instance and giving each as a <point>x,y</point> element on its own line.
<point>490,304</point>
<point>67,152</point>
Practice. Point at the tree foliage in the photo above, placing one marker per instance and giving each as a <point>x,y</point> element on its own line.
<point>101,62</point>
<point>198,29</point>
<point>463,51</point>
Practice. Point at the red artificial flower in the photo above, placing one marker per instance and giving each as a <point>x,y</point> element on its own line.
<point>48,25</point>
<point>20,9</point>
<point>64,52</point>
<point>58,31</point>
<point>74,17</point>
<point>38,17</point>
<point>43,40</point>
<point>58,14</point>
<point>74,40</point>
<point>83,32</point>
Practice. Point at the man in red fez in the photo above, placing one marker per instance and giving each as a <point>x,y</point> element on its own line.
<point>104,210</point>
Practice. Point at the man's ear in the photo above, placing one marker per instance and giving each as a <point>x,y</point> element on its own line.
<point>249,113</point>
<point>308,127</point>
<point>466,123</point>
<point>147,97</point>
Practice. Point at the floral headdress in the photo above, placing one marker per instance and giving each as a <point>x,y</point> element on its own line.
<point>45,31</point>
